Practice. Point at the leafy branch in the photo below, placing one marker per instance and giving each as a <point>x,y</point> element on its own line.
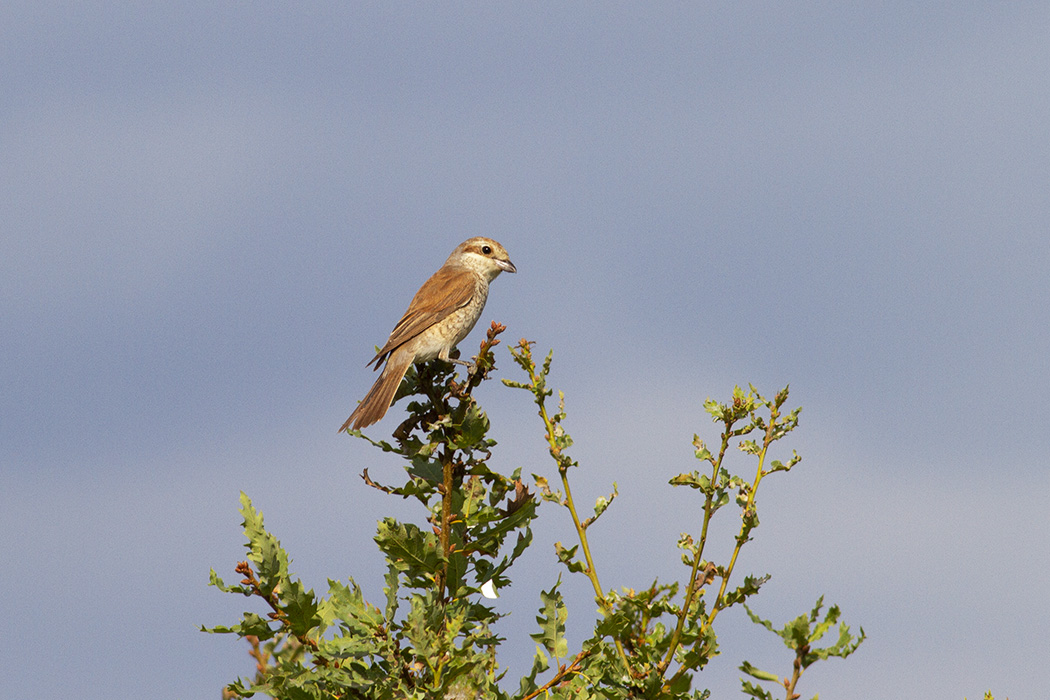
<point>432,636</point>
<point>716,490</point>
<point>800,635</point>
<point>557,442</point>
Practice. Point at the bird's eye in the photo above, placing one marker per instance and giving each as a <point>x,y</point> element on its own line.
<point>487,250</point>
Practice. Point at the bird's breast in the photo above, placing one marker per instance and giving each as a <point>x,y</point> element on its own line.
<point>450,330</point>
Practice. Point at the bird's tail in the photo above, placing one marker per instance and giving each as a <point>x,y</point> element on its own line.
<point>378,399</point>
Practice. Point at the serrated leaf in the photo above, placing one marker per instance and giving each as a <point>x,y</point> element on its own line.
<point>748,588</point>
<point>524,540</point>
<point>263,548</point>
<point>473,428</point>
<point>824,625</point>
<point>251,624</point>
<point>703,649</point>
<point>805,630</point>
<point>551,618</point>
<point>540,663</point>
<point>347,605</point>
<point>215,580</point>
<point>391,588</point>
<point>491,535</point>
<point>615,625</point>
<point>715,409</point>
<point>415,553</point>
<point>758,620</point>
<point>755,691</point>
<point>750,447</point>
<point>694,480</point>
<point>426,470</point>
<point>567,556</point>
<point>300,606</point>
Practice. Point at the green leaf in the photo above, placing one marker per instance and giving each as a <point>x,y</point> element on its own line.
<point>823,626</point>
<point>524,540</point>
<point>755,691</point>
<point>392,584</point>
<point>214,580</point>
<point>701,451</point>
<point>694,480</point>
<point>301,608</point>
<point>413,552</point>
<point>264,549</point>
<point>426,469</point>
<point>551,618</point>
<point>489,536</point>
<point>601,504</point>
<point>457,570</point>
<point>758,620</point>
<point>561,438</point>
<point>802,633</point>
<point>761,675</point>
<point>540,663</point>
<point>680,685</point>
<point>748,588</point>
<point>704,648</point>
<point>715,409</point>
<point>422,623</point>
<point>346,605</point>
<point>778,466</point>
<point>473,428</point>
<point>616,625</point>
<point>750,447</point>
<point>251,624</point>
<point>568,557</point>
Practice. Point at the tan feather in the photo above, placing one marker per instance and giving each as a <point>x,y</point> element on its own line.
<point>448,289</point>
<point>378,399</point>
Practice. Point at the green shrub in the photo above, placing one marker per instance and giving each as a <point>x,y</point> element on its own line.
<point>431,637</point>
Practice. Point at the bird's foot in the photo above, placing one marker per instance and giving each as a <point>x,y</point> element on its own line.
<point>471,366</point>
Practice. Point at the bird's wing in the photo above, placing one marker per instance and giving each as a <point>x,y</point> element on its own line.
<point>448,289</point>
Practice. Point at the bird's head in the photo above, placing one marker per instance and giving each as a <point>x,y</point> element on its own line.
<point>483,255</point>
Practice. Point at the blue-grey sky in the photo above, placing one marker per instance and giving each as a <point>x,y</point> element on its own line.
<point>212,212</point>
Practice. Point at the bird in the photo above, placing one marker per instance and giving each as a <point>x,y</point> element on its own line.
<point>441,314</point>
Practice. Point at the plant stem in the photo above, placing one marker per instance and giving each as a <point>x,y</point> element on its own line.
<point>789,686</point>
<point>564,462</point>
<point>446,518</point>
<point>744,529</point>
<point>562,673</point>
<point>692,590</point>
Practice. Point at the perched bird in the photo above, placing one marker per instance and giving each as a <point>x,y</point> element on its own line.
<point>441,314</point>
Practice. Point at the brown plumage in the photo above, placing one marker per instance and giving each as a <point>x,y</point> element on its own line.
<point>441,314</point>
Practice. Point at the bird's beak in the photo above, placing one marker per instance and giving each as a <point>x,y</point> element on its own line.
<point>506,266</point>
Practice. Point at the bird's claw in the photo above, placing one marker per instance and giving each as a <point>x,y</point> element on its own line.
<point>471,366</point>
